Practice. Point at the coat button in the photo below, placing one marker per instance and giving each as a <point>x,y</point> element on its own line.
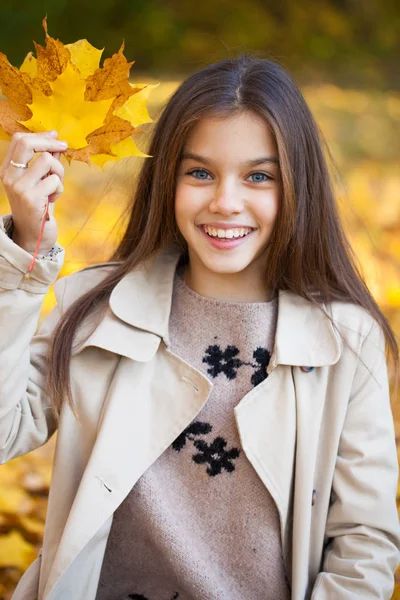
<point>314,494</point>
<point>307,369</point>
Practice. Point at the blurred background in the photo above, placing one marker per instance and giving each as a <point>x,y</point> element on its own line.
<point>345,57</point>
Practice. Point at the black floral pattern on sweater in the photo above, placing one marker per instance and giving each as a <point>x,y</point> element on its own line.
<point>214,454</point>
<point>227,362</point>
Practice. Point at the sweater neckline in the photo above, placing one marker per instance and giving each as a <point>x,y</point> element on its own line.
<point>183,287</point>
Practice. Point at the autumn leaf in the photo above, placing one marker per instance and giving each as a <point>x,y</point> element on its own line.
<point>15,551</point>
<point>29,65</point>
<point>116,129</point>
<point>110,80</point>
<point>66,111</point>
<point>53,59</point>
<point>94,108</point>
<point>126,147</point>
<point>31,529</point>
<point>65,89</point>
<point>12,84</point>
<point>134,109</point>
<point>85,57</point>
<point>13,499</point>
<point>9,119</point>
<point>29,73</point>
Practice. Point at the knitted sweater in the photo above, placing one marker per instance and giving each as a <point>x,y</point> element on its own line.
<point>199,524</point>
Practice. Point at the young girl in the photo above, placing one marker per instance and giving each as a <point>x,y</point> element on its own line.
<point>220,388</point>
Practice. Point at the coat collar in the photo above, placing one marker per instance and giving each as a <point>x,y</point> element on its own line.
<point>304,335</point>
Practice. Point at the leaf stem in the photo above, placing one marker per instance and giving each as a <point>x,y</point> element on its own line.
<point>45,218</point>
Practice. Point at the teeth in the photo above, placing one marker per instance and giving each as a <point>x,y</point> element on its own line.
<point>227,233</point>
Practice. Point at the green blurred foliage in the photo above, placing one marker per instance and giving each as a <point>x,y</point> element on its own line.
<point>351,43</point>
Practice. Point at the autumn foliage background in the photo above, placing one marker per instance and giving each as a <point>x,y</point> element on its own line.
<point>354,96</point>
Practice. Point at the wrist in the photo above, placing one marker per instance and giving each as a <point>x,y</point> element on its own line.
<point>28,247</point>
<point>10,230</point>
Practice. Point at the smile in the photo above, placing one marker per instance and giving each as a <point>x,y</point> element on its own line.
<point>226,239</point>
<point>236,232</point>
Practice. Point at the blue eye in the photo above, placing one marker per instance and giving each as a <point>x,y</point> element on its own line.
<point>203,175</point>
<point>260,177</point>
<point>199,173</point>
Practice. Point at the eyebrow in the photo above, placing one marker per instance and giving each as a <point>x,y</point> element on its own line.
<point>248,163</point>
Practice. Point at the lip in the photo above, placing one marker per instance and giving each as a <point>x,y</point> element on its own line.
<point>226,225</point>
<point>224,244</point>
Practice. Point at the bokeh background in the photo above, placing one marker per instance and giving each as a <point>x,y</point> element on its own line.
<point>344,55</point>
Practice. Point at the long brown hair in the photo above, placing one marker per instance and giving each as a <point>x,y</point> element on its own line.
<point>309,251</point>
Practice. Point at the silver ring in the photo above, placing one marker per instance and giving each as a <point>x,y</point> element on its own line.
<point>19,165</point>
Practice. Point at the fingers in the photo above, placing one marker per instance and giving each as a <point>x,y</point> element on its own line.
<point>14,140</point>
<point>22,149</point>
<point>30,189</point>
<point>51,208</point>
<point>47,186</point>
<point>45,164</point>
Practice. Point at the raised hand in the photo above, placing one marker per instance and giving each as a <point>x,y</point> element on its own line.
<point>29,188</point>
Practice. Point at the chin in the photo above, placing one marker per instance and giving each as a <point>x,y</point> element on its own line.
<point>225,265</point>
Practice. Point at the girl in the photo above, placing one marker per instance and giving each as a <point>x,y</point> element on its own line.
<point>220,388</point>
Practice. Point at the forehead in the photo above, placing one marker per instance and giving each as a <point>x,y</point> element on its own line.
<point>241,133</point>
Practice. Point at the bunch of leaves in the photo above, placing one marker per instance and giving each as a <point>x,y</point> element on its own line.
<point>95,109</point>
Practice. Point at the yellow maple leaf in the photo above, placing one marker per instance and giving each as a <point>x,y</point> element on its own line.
<point>66,110</point>
<point>121,149</point>
<point>29,65</point>
<point>85,57</point>
<point>135,110</point>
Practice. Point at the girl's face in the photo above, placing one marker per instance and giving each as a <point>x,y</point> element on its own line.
<point>227,197</point>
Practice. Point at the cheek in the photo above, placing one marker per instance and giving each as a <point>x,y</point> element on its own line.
<point>180,205</point>
<point>267,211</point>
<point>188,203</point>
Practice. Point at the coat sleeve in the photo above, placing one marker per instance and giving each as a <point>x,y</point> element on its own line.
<point>26,419</point>
<point>362,528</point>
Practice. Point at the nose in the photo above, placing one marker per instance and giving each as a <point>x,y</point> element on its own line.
<point>226,199</point>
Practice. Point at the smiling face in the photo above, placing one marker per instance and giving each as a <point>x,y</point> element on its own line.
<point>226,203</point>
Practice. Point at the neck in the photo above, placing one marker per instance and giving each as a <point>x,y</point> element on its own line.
<point>245,286</point>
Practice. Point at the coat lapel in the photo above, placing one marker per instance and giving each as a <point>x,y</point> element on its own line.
<point>266,421</point>
<point>305,335</point>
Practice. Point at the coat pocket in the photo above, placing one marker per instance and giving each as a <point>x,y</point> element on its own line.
<point>28,585</point>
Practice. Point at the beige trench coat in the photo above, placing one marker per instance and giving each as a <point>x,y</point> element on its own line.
<point>322,442</point>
